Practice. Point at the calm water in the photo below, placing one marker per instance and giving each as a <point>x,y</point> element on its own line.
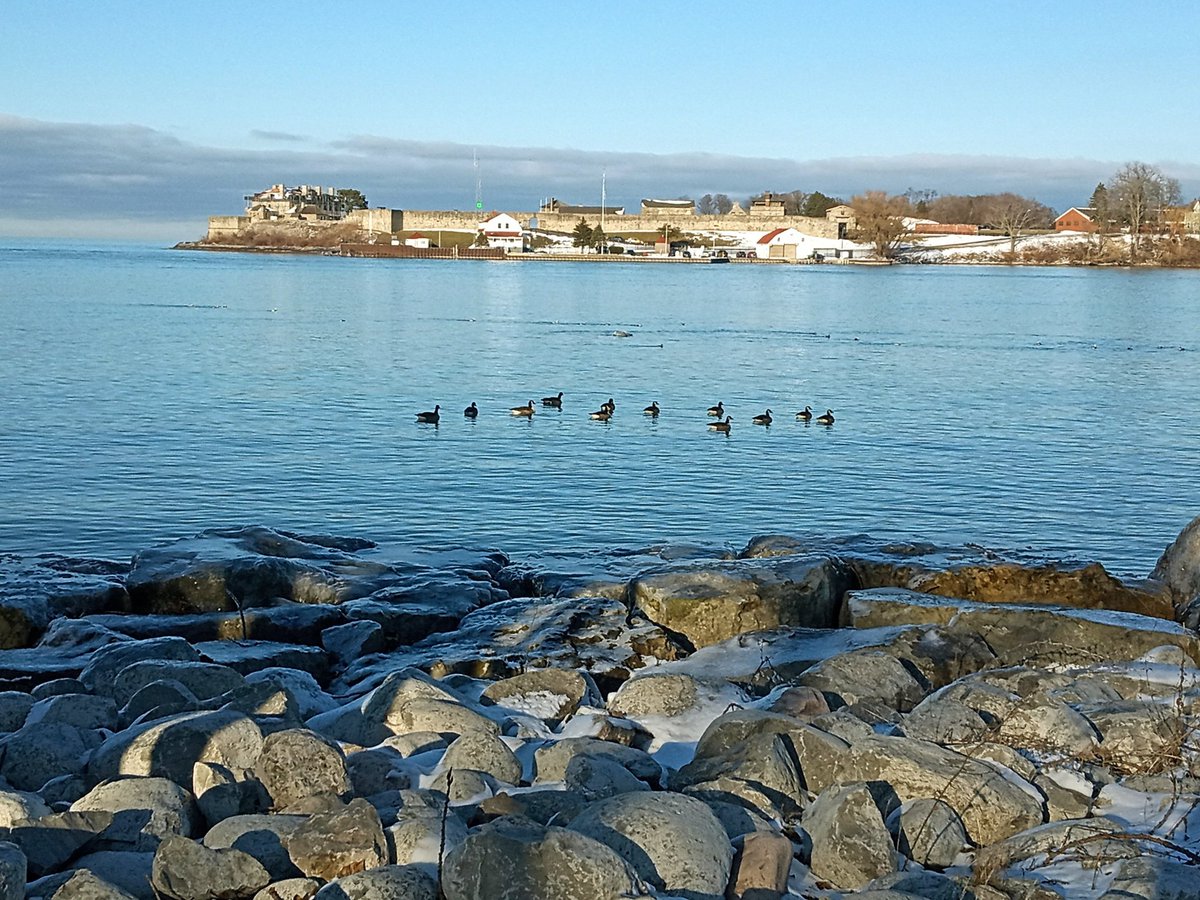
<point>147,394</point>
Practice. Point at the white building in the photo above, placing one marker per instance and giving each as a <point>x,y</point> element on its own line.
<point>503,231</point>
<point>418,240</point>
<point>783,243</point>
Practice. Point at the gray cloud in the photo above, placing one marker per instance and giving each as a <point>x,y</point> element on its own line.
<point>285,137</point>
<point>60,176</point>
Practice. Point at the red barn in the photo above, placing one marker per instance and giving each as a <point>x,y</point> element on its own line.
<point>1077,219</point>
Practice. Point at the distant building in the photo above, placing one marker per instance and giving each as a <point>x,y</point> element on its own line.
<point>767,207</point>
<point>668,208</point>
<point>1191,219</point>
<point>945,228</point>
<point>418,240</point>
<point>304,201</point>
<point>782,243</point>
<point>842,216</point>
<point>503,231</point>
<point>736,210</point>
<point>1078,218</point>
<point>554,205</point>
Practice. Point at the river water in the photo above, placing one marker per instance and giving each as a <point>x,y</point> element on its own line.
<point>146,394</point>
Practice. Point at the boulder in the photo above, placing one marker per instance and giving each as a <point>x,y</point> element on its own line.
<point>306,690</point>
<point>51,841</point>
<point>298,763</point>
<point>674,842</point>
<point>82,711</point>
<point>656,694</point>
<point>125,870</point>
<point>171,747</point>
<point>800,702</point>
<point>1179,566</point>
<point>928,832</point>
<point>1048,726</point>
<point>519,858</point>
<point>187,870</point>
<point>552,759</point>
<point>203,679</point>
<point>546,807</point>
<point>346,643</point>
<point>483,752</point>
<point>379,769</point>
<point>263,837</point>
<point>264,701</point>
<point>866,675</point>
<point>83,884</point>
<point>598,777</point>
<point>1092,850</point>
<point>294,623</point>
<point>106,662</point>
<point>763,760</point>
<point>144,811</point>
<point>549,694</point>
<point>850,843</point>
<point>992,805</point>
<point>39,752</point>
<point>423,827</point>
<point>1154,878</point>
<point>1139,735</point>
<point>62,652</point>
<point>18,805</point>
<point>944,721</point>
<point>220,793</point>
<point>761,867</point>
<point>710,605</point>
<point>14,709</point>
<point>36,590</point>
<point>290,889</point>
<point>158,700</point>
<point>383,883</point>
<point>340,842</point>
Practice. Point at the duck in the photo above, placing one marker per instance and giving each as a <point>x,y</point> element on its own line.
<point>764,419</point>
<point>430,418</point>
<point>554,402</point>
<point>805,415</point>
<point>652,409</point>
<point>471,411</point>
<point>603,414</point>
<point>721,426</point>
<point>609,405</point>
<point>718,410</point>
<point>826,419</point>
<point>526,411</point>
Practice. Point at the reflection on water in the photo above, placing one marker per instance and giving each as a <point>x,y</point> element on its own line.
<point>149,393</point>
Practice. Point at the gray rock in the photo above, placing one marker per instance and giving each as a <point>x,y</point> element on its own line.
<point>65,790</point>
<point>290,889</point>
<point>598,777</point>
<point>800,702</point>
<point>298,763</point>
<point>264,700</point>
<point>311,699</point>
<point>221,794</point>
<point>667,694</point>
<point>205,680</point>
<point>551,760</point>
<point>158,700</point>
<point>51,841</point>
<point>346,643</point>
<point>1094,852</point>
<point>170,748</point>
<point>83,884</point>
<point>551,694</point>
<point>62,652</point>
<point>263,837</point>
<point>379,769</point>
<point>862,675</point>
<point>944,721</point>
<point>713,604</point>
<point>127,870</point>
<point>254,656</point>
<point>36,753</point>
<point>993,806</point>
<point>332,844</point>
<point>186,870</point>
<point>12,872</point>
<point>415,742</point>
<point>144,811</point>
<point>421,831</point>
<point>382,883</point>
<point>1049,726</point>
<point>763,759</point>
<point>441,716</point>
<point>850,843</point>
<point>1154,878</point>
<point>36,590</point>
<point>843,724</point>
<point>18,805</point>
<point>1142,735</point>
<point>518,858</point>
<point>101,670</point>
<point>928,885</point>
<point>674,842</point>
<point>82,711</point>
<point>483,752</point>
<point>1179,566</point>
<point>14,708</point>
<point>928,832</point>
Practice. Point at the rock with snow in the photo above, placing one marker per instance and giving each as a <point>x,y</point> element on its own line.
<point>347,839</point>
<point>674,842</point>
<point>850,843</point>
<point>863,675</point>
<point>187,870</point>
<point>383,883</point>
<point>1154,878</point>
<point>483,752</point>
<point>144,811</point>
<point>1049,726</point>
<point>550,694</point>
<point>299,763</point>
<point>552,759</point>
<point>1093,848</point>
<point>519,858</point>
<point>422,828</point>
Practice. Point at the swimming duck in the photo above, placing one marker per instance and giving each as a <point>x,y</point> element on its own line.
<point>721,426</point>
<point>718,410</point>
<point>555,402</point>
<point>429,417</point>
<point>526,411</point>
<point>826,419</point>
<point>609,405</point>
<point>764,419</point>
<point>471,411</point>
<point>652,409</point>
<point>603,414</point>
<point>805,415</point>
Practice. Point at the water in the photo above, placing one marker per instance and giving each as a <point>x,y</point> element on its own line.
<point>147,394</point>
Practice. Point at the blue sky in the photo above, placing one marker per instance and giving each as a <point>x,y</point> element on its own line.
<point>160,113</point>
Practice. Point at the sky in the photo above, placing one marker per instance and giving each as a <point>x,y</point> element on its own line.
<point>140,119</point>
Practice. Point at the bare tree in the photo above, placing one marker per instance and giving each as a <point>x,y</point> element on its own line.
<point>724,204</point>
<point>1140,195</point>
<point>880,221</point>
<point>1011,218</point>
<point>706,205</point>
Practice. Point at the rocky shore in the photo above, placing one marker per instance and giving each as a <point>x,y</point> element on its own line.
<point>260,714</point>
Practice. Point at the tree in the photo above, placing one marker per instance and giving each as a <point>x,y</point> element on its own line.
<point>816,203</point>
<point>481,240</point>
<point>880,221</point>
<point>724,204</point>
<point>1011,219</point>
<point>354,199</point>
<point>707,205</point>
<point>599,238</point>
<point>1140,195</point>
<point>920,199</point>
<point>582,235</point>
<point>1101,203</point>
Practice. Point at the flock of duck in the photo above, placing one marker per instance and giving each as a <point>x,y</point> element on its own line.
<point>723,421</point>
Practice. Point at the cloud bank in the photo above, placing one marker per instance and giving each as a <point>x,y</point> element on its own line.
<point>130,180</point>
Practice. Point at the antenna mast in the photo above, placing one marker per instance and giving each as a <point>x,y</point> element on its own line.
<point>478,182</point>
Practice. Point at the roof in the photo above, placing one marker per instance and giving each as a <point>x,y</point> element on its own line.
<point>669,204</point>
<point>1088,212</point>
<point>771,235</point>
<point>417,234</point>
<point>588,210</point>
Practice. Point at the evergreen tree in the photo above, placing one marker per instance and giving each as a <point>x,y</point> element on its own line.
<point>582,235</point>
